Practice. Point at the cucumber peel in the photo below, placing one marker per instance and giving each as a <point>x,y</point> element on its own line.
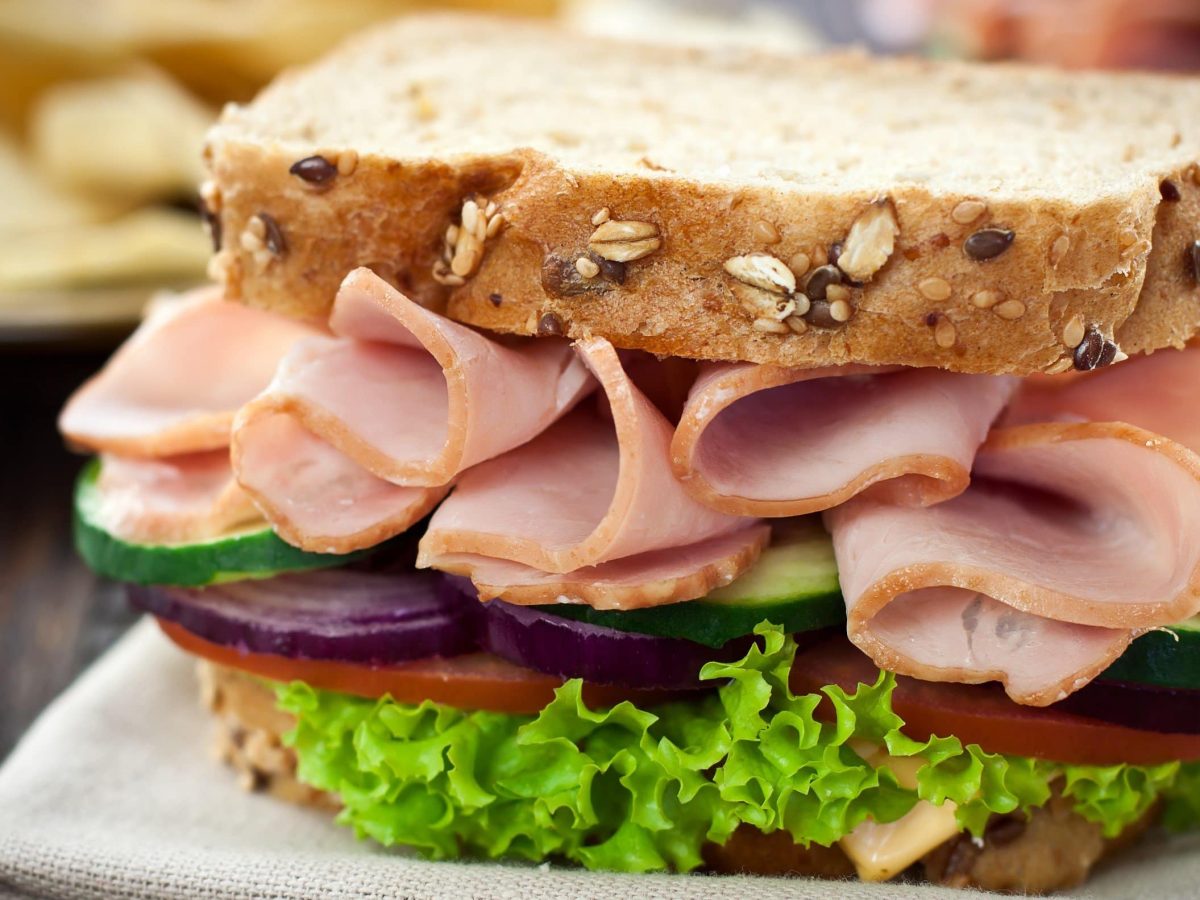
<point>794,584</point>
<point>1167,657</point>
<point>255,552</point>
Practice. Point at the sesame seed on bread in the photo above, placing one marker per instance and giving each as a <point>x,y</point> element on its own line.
<point>722,204</point>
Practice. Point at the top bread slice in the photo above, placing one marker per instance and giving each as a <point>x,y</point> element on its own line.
<point>534,181</point>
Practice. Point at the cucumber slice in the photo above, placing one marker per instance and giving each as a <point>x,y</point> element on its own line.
<point>256,552</point>
<point>1161,658</point>
<point>798,564</point>
<point>794,584</point>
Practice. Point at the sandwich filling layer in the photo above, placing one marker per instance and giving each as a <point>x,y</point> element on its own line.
<point>1030,554</point>
<point>601,664</point>
<point>644,789</point>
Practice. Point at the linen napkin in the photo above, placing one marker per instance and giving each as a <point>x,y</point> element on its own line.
<point>113,794</point>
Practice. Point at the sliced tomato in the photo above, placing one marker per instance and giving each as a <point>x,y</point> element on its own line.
<point>982,714</point>
<point>976,714</point>
<point>472,681</point>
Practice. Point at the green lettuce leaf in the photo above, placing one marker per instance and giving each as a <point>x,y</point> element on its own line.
<point>1182,811</point>
<point>1114,796</point>
<point>637,790</point>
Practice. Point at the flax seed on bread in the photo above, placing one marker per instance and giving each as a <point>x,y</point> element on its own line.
<point>526,179</point>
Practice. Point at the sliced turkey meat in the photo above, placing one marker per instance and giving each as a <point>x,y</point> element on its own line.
<point>176,384</point>
<point>767,441</point>
<point>632,582</point>
<point>965,636</point>
<point>1072,539</point>
<point>1156,392</point>
<point>359,435</point>
<point>591,490</point>
<point>170,500</point>
<point>320,500</point>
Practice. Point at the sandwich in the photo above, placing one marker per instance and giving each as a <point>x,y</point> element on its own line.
<point>667,460</point>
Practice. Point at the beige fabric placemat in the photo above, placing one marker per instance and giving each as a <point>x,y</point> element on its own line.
<point>113,794</point>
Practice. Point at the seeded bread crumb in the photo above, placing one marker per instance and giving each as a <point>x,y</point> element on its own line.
<point>623,178</point>
<point>1053,849</point>
<point>249,736</point>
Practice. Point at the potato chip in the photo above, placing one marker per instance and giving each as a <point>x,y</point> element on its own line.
<point>148,244</point>
<point>136,136</point>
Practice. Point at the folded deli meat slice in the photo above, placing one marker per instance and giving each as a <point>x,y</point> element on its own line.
<point>647,579</point>
<point>588,491</point>
<point>1072,539</point>
<point>174,499</point>
<point>360,434</point>
<point>951,634</point>
<point>176,384</point>
<point>1156,392</point>
<point>161,411</point>
<point>767,441</point>
<point>319,499</point>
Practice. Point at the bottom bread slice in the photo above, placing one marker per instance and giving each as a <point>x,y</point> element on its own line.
<point>1052,849</point>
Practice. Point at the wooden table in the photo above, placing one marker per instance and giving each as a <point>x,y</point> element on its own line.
<point>55,616</point>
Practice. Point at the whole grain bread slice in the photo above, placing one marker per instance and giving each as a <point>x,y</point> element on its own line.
<point>725,205</point>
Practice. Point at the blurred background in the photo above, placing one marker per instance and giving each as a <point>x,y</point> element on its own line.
<point>103,108</point>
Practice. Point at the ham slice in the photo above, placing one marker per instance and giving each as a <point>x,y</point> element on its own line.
<point>587,492</point>
<point>175,385</point>
<point>359,435</point>
<point>766,441</point>
<point>963,636</point>
<point>1071,540</point>
<point>171,500</point>
<point>319,499</point>
<point>1155,392</point>
<point>648,579</point>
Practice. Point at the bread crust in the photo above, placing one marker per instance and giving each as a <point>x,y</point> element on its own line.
<point>1114,262</point>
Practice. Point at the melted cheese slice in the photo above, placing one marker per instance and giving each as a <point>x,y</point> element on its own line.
<point>880,852</point>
